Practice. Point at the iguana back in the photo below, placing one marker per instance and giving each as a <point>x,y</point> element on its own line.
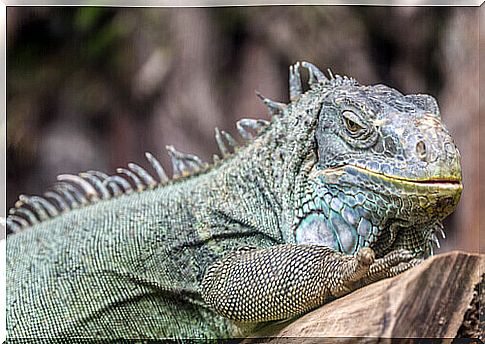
<point>97,269</point>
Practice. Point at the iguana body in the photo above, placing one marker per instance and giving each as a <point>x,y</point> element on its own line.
<point>346,185</point>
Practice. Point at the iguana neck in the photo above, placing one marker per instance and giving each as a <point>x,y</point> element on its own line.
<point>257,184</point>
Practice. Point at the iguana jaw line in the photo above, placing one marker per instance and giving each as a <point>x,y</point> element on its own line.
<point>449,182</point>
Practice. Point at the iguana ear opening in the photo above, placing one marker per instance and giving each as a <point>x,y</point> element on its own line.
<point>425,102</point>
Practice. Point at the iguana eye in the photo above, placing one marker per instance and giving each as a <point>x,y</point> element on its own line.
<point>351,124</point>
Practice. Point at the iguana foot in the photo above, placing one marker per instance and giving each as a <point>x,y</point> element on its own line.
<point>387,266</point>
<point>365,269</point>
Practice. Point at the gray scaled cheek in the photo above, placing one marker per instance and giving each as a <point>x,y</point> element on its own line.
<point>314,230</point>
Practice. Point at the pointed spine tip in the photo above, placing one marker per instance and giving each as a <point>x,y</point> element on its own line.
<point>230,140</point>
<point>89,191</point>
<point>274,108</point>
<point>220,143</point>
<point>157,166</point>
<point>316,75</point>
<point>146,177</point>
<point>296,89</point>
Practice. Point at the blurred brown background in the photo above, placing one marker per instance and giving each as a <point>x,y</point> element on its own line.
<point>93,88</point>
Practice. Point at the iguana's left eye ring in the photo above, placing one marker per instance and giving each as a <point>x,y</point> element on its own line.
<point>351,123</point>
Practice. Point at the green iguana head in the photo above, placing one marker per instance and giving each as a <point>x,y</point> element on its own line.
<point>383,172</point>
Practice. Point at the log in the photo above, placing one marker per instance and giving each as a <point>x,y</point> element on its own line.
<point>428,301</point>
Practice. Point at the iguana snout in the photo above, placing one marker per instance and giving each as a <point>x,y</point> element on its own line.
<point>424,149</point>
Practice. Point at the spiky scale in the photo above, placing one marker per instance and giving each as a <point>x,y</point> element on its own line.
<point>194,159</point>
<point>162,176</point>
<point>136,180</point>
<point>178,166</point>
<point>220,143</point>
<point>115,189</point>
<point>13,226</point>
<point>439,229</point>
<point>101,175</point>
<point>101,188</point>
<point>143,174</point>
<point>89,190</point>
<point>185,164</point>
<point>295,82</point>
<point>62,188</point>
<point>61,203</point>
<point>434,238</point>
<point>315,73</point>
<point>80,197</point>
<point>274,108</point>
<point>248,123</point>
<point>245,134</point>
<point>51,209</point>
<point>230,140</point>
<point>20,220</point>
<point>28,214</point>
<point>117,180</point>
<point>38,209</point>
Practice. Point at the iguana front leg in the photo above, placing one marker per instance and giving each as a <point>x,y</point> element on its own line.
<point>283,281</point>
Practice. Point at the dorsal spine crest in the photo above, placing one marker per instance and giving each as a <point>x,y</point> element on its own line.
<point>75,191</point>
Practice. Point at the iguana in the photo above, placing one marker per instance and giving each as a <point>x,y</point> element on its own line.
<point>347,184</point>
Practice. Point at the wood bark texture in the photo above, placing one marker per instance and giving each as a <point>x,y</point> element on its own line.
<point>428,301</point>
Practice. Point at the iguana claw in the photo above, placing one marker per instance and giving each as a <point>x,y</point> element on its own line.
<point>367,269</point>
<point>392,264</point>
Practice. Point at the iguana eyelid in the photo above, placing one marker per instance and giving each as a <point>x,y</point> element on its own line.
<point>350,118</point>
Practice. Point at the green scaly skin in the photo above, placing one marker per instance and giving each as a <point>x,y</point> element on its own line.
<point>347,185</point>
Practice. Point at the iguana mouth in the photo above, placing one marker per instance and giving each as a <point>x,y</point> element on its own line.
<point>434,180</point>
<point>450,183</point>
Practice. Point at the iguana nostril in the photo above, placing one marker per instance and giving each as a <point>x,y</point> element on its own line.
<point>421,150</point>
